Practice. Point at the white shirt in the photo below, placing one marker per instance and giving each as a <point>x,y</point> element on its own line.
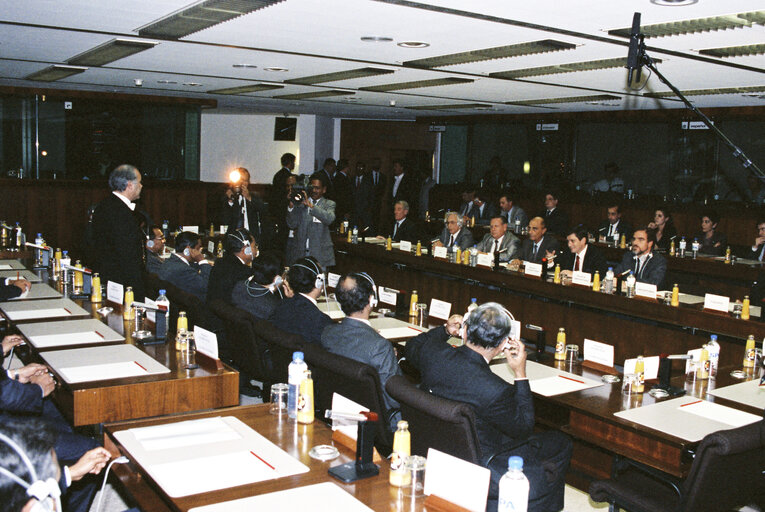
<point>397,182</point>
<point>496,242</point>
<point>182,258</point>
<point>581,259</point>
<point>613,228</point>
<point>311,299</point>
<point>125,200</point>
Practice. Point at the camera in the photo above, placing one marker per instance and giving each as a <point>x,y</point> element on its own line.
<point>297,194</point>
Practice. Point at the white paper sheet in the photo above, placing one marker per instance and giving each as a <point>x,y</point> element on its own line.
<point>38,313</point>
<point>185,433</point>
<point>717,412</point>
<point>335,314</point>
<point>748,393</point>
<point>399,332</point>
<point>546,375</point>
<point>3,266</point>
<point>97,372</point>
<point>56,340</point>
<point>457,481</point>
<point>558,385</point>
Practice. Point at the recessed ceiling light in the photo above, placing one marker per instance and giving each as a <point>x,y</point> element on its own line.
<point>377,39</point>
<point>166,82</point>
<point>244,66</point>
<point>674,3</point>
<point>193,84</point>
<point>413,44</point>
<point>276,69</point>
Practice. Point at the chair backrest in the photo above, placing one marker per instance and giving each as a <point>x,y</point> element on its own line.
<point>436,422</point>
<point>247,352</point>
<point>727,471</point>
<point>333,373</point>
<point>280,347</point>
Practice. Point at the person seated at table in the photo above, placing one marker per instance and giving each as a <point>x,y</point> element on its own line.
<point>187,267</point>
<point>539,244</point>
<point>614,225</point>
<point>453,234</point>
<point>260,293</point>
<point>34,440</point>
<point>647,265</point>
<point>665,228</point>
<point>712,241</point>
<point>240,249</point>
<point>512,212</point>
<point>11,288</point>
<point>403,228</point>
<point>556,219</point>
<point>499,239</point>
<point>581,256</point>
<point>300,314</point>
<point>155,246</point>
<point>468,195</point>
<point>758,247</point>
<point>482,211</point>
<point>504,412</point>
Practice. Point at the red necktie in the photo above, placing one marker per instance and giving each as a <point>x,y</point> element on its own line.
<point>576,264</point>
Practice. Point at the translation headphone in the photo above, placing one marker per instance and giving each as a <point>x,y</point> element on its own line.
<point>46,492</point>
<point>373,301</point>
<point>504,310</point>
<point>239,236</point>
<point>187,252</point>
<point>150,243</point>
<point>319,283</point>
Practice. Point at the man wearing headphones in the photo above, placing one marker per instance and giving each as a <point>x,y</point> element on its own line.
<point>187,267</point>
<point>240,249</point>
<point>300,314</point>
<point>155,246</point>
<point>453,235</point>
<point>260,293</point>
<point>309,219</point>
<point>504,412</point>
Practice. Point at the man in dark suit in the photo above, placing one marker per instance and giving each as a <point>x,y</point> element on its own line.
<point>403,228</point>
<point>614,226</point>
<point>155,246</point>
<point>504,412</point>
<point>647,265</point>
<point>364,215</point>
<point>454,234</point>
<point>279,182</point>
<point>343,192</point>
<point>556,220</point>
<point>481,210</point>
<point>300,314</point>
<point>539,244</point>
<point>327,173</point>
<point>118,252</point>
<point>512,212</point>
<point>240,250</point>
<point>500,240</point>
<point>187,267</point>
<point>260,293</point>
<point>380,186</point>
<point>12,288</point>
<point>757,251</point>
<point>245,209</point>
<point>309,221</point>
<point>404,187</point>
<point>581,256</point>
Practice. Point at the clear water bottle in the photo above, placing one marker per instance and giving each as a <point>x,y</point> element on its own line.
<point>695,246</point>
<point>295,374</point>
<point>473,305</point>
<point>714,356</point>
<point>474,256</point>
<point>631,284</point>
<point>517,226</point>
<point>163,315</point>
<point>39,240</point>
<point>355,235</point>
<point>608,284</point>
<point>513,487</point>
<point>166,229</point>
<point>682,246</point>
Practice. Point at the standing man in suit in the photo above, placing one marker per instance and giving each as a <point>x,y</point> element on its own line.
<point>155,246</point>
<point>327,173</point>
<point>277,203</point>
<point>647,265</point>
<point>310,221</point>
<point>364,214</point>
<point>481,209</point>
<point>300,314</point>
<point>516,217</point>
<point>758,247</point>
<point>343,192</point>
<point>500,240</point>
<point>280,178</point>
<point>404,186</point>
<point>118,254</point>
<point>539,244</point>
<point>245,209</point>
<point>614,226</point>
<point>240,249</point>
<point>380,186</point>
<point>453,234</point>
<point>582,256</point>
<point>187,267</point>
<point>555,219</point>
<point>403,228</point>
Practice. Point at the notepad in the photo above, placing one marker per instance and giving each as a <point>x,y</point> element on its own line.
<point>3,266</point>
<point>399,332</point>
<point>558,385</point>
<point>55,340</point>
<point>717,412</point>
<point>184,433</point>
<point>96,372</point>
<point>335,314</point>
<point>748,393</point>
<point>38,313</point>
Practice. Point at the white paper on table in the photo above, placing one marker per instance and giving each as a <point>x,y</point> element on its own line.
<point>485,260</point>
<point>597,352</point>
<point>456,480</point>
<point>532,269</point>
<point>3,266</point>
<point>387,295</point>
<point>211,247</point>
<point>332,279</point>
<point>151,315</point>
<point>399,332</point>
<point>114,292</point>
<point>645,290</point>
<point>440,252</point>
<point>716,302</point>
<point>37,313</point>
<point>185,433</point>
<point>53,340</point>
<point>440,309</point>
<point>581,278</point>
<point>96,372</point>
<point>206,342</point>
<point>695,356</point>
<point>342,404</point>
<point>748,393</point>
<point>335,314</point>
<point>558,385</point>
<point>190,229</point>
<point>650,365</point>
<point>721,413</point>
<point>405,246</point>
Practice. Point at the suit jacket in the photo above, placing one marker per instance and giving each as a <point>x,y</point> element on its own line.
<point>549,243</point>
<point>300,316</point>
<point>312,224</point>
<point>408,190</point>
<point>118,254</point>
<point>407,230</point>
<point>464,238</point>
<point>254,298</point>
<point>510,243</point>
<point>153,263</point>
<point>556,221</point>
<point>356,340</point>
<point>276,201</point>
<point>18,398</point>
<point>482,218</point>
<point>329,181</point>
<point>715,245</point>
<point>593,260</point>
<point>379,190</point>
<point>189,277</point>
<point>259,226</point>
<point>343,196</point>
<point>364,212</point>
<point>227,271</point>
<point>516,212</point>
<point>8,291</point>
<point>653,271</point>
<point>754,254</point>
<point>504,412</point>
<point>623,227</point>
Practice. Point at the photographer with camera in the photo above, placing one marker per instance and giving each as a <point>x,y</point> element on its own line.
<point>309,216</point>
<point>245,209</point>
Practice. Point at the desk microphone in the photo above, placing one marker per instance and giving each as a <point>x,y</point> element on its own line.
<point>41,247</point>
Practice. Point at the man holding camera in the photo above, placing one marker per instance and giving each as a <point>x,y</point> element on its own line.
<point>243,209</point>
<point>309,217</point>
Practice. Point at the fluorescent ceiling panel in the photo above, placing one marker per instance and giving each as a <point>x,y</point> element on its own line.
<point>340,75</point>
<point>708,92</point>
<point>674,28</point>
<point>570,99</point>
<point>480,106</point>
<point>310,95</point>
<point>735,51</point>
<point>246,88</point>
<point>564,68</point>
<point>110,51</point>
<point>499,52</point>
<point>418,84</point>
<point>55,72</point>
<point>200,16</point>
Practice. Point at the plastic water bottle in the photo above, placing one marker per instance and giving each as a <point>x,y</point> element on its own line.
<point>166,229</point>
<point>513,487</point>
<point>39,240</point>
<point>608,284</point>
<point>295,375</point>
<point>682,246</point>
<point>714,356</point>
<point>631,284</point>
<point>695,246</point>
<point>473,305</point>
<point>474,256</point>
<point>162,319</point>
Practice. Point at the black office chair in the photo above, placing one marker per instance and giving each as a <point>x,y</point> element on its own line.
<point>356,381</point>
<point>278,348</point>
<point>727,473</point>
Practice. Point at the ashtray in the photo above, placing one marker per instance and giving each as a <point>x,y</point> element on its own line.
<point>384,312</point>
<point>323,452</point>
<point>738,374</point>
<point>658,393</point>
<point>610,379</point>
<point>104,310</point>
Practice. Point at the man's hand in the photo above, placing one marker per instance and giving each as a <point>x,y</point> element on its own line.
<point>307,202</point>
<point>229,194</point>
<point>438,243</point>
<point>245,191</point>
<point>27,372</point>
<point>11,341</point>
<point>45,381</point>
<point>759,240</point>
<point>92,461</point>
<point>23,284</point>
<point>516,358</point>
<point>453,325</point>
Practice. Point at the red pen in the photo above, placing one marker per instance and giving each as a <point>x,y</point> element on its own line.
<point>569,378</point>
<point>142,368</point>
<point>102,336</point>
<point>691,403</point>
<point>261,460</point>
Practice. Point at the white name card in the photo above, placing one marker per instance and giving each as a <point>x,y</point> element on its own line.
<point>114,292</point>
<point>440,252</point>
<point>457,481</point>
<point>405,246</point>
<point>387,295</point>
<point>532,269</point>
<point>581,278</point>
<point>647,290</point>
<point>695,356</point>
<point>597,352</point>
<point>716,302</point>
<point>191,229</point>
<point>650,364</point>
<point>485,260</point>
<point>223,228</point>
<point>207,342</point>
<point>211,247</point>
<point>440,309</point>
<point>515,330</point>
<point>332,279</point>
<point>151,315</point>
